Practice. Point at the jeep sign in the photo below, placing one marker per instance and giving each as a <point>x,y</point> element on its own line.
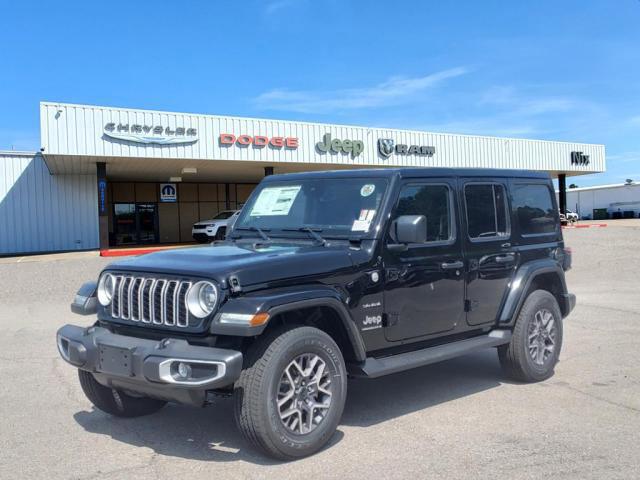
<point>354,147</point>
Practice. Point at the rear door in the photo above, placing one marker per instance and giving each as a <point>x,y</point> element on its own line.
<point>424,285</point>
<point>489,255</point>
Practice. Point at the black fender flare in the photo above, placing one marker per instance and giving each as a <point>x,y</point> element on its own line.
<point>520,285</point>
<point>279,301</point>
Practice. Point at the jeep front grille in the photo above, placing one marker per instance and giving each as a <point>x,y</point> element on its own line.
<point>155,301</point>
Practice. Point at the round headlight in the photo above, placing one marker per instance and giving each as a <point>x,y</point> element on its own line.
<point>106,285</point>
<point>202,298</point>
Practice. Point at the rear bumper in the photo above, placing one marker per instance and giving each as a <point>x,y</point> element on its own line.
<point>149,367</point>
<point>569,303</point>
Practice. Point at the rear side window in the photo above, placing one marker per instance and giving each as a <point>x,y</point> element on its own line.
<point>432,201</point>
<point>486,211</point>
<point>534,209</point>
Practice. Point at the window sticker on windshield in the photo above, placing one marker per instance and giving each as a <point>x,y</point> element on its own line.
<point>363,222</point>
<point>367,189</point>
<point>275,201</point>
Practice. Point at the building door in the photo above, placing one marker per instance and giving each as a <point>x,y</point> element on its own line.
<point>147,219</point>
<point>135,223</point>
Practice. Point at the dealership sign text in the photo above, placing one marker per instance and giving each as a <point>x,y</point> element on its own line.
<point>148,134</point>
<point>258,141</point>
<point>354,147</point>
<point>387,146</point>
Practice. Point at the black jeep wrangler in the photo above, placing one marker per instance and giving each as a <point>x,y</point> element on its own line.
<point>323,276</point>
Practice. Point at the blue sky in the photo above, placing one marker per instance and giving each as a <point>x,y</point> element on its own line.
<point>565,70</point>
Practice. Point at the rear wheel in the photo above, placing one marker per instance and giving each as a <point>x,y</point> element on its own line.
<point>114,401</point>
<point>535,345</point>
<point>290,396</point>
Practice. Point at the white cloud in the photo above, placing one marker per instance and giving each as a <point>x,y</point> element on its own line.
<point>509,98</point>
<point>391,92</point>
<point>273,7</point>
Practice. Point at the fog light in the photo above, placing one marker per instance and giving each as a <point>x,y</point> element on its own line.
<point>184,370</point>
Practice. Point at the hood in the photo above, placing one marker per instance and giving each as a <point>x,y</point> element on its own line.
<point>249,263</point>
<point>208,222</point>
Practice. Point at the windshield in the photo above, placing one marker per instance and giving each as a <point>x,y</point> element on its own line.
<point>343,207</point>
<point>223,215</point>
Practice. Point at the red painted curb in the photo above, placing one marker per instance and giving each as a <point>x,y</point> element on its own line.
<point>593,225</point>
<point>126,253</point>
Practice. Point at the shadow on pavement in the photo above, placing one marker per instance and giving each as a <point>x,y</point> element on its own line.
<point>211,435</point>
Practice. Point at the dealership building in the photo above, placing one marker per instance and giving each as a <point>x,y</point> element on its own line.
<point>108,177</point>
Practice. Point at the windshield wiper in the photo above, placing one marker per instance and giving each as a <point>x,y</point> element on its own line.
<point>258,230</point>
<point>311,231</point>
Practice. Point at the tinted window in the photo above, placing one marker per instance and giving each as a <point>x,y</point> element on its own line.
<point>486,211</point>
<point>432,201</point>
<point>534,209</point>
<point>223,215</point>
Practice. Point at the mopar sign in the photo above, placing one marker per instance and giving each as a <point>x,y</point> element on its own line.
<point>168,192</point>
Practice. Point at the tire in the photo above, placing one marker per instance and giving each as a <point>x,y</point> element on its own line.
<point>263,382</point>
<point>221,234</point>
<point>115,402</point>
<point>532,362</point>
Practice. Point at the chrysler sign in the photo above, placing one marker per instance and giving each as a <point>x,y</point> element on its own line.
<point>150,134</point>
<point>387,146</point>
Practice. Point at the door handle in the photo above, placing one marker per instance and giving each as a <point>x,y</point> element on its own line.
<point>509,258</point>
<point>452,265</point>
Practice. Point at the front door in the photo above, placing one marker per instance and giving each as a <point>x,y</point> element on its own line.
<point>424,285</point>
<point>135,223</point>
<point>489,255</point>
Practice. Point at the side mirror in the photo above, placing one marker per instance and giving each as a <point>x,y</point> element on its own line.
<point>408,229</point>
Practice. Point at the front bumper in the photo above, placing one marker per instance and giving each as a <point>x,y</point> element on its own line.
<point>149,367</point>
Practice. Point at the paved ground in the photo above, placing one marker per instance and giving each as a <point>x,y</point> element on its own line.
<point>459,419</point>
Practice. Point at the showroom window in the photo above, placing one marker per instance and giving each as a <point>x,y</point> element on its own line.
<point>486,211</point>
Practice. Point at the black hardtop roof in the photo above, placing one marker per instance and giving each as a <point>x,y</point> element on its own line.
<point>410,173</point>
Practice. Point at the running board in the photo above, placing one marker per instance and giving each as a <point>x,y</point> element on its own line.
<point>377,367</point>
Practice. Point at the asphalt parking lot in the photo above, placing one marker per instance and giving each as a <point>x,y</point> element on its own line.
<point>458,419</point>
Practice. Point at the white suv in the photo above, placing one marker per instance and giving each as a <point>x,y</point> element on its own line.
<point>214,229</point>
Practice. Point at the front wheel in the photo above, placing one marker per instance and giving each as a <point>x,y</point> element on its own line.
<point>291,394</point>
<point>535,345</point>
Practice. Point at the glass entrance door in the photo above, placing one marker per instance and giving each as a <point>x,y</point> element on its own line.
<point>147,215</point>
<point>135,223</point>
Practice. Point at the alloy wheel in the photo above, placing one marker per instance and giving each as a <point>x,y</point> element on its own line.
<point>304,393</point>
<point>542,337</point>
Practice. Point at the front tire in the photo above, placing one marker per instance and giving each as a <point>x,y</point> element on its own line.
<point>535,345</point>
<point>115,402</point>
<point>291,394</point>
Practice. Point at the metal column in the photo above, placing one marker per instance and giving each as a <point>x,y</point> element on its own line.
<point>562,195</point>
<point>103,214</point>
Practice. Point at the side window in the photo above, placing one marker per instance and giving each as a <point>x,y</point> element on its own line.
<point>432,201</point>
<point>486,211</point>
<point>534,209</point>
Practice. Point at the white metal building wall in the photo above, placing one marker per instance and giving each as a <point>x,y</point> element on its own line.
<point>612,197</point>
<point>78,130</point>
<point>40,212</point>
